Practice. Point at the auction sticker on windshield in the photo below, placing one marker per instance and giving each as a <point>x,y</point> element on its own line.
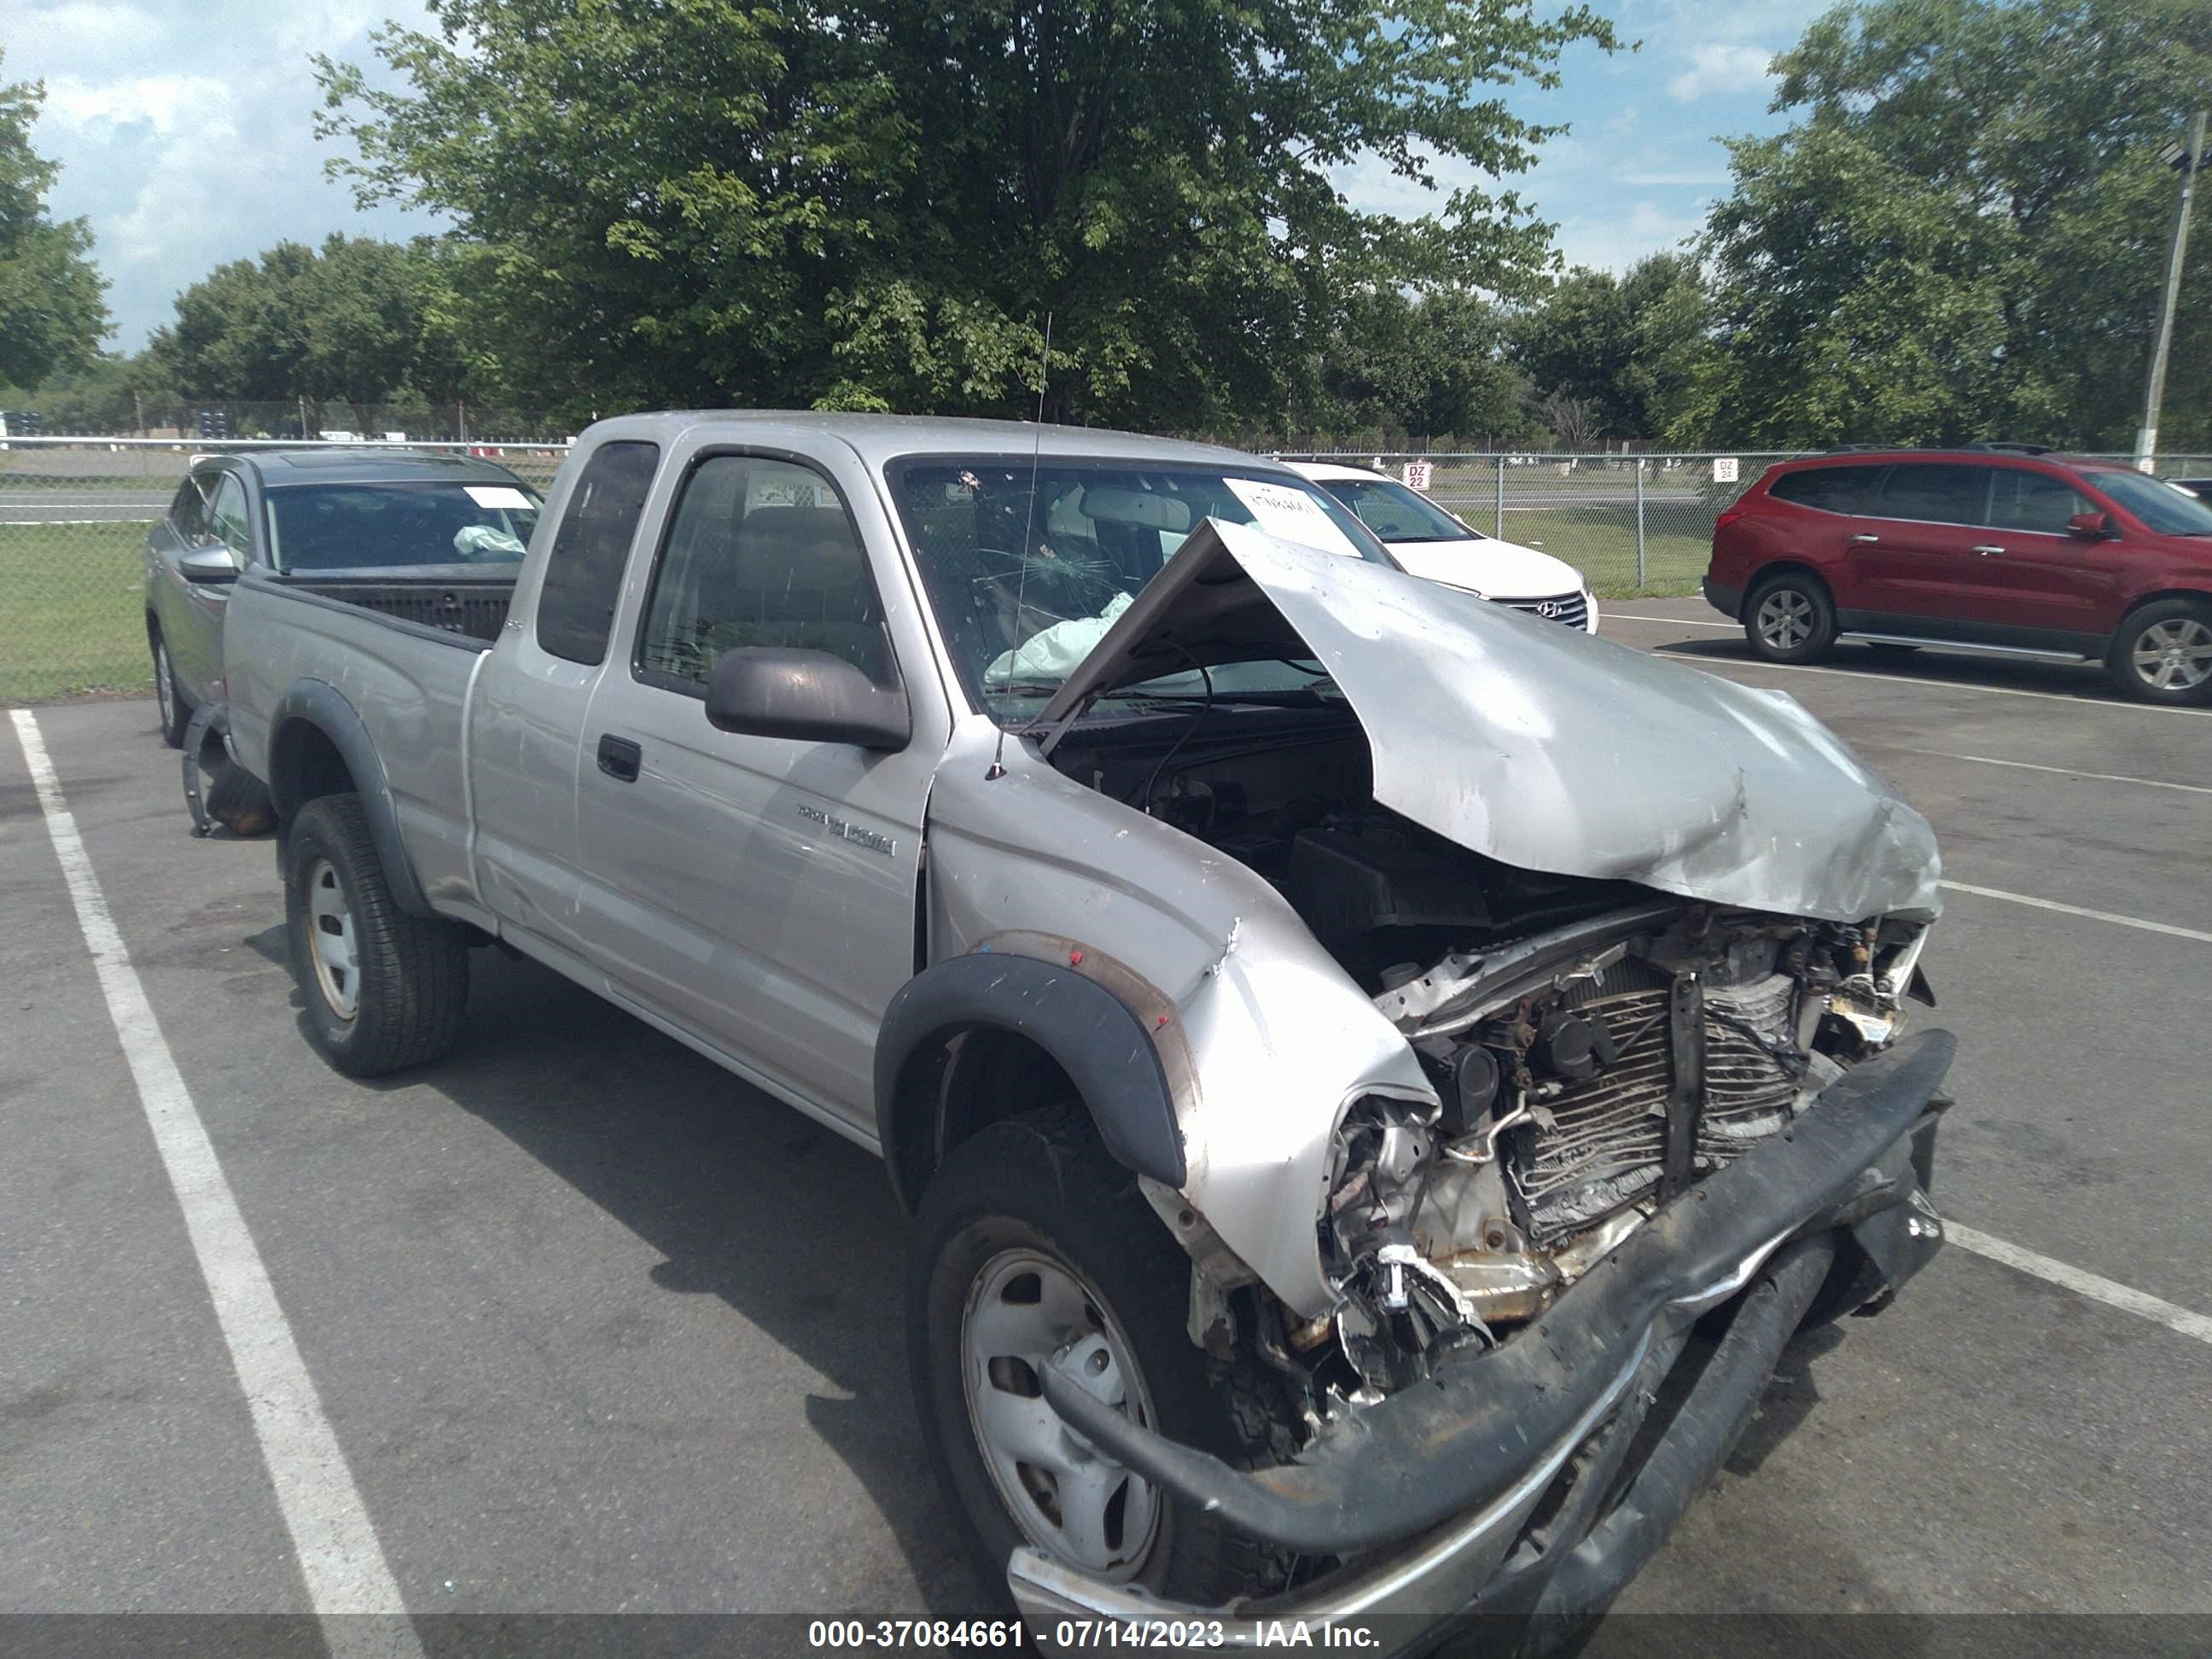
<point>1286,510</point>
<point>495,498</point>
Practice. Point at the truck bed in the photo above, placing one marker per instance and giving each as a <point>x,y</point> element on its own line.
<point>401,647</point>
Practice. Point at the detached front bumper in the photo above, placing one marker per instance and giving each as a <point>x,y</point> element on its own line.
<point>1477,1492</point>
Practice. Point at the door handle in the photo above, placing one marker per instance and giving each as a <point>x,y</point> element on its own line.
<point>1862,537</point>
<point>1987,548</point>
<point>619,758</point>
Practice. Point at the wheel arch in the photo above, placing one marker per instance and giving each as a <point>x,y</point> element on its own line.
<point>319,745</point>
<point>1788,565</point>
<point>980,1038</point>
<point>2156,595</point>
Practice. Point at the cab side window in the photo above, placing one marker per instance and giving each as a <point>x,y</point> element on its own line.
<point>2021,500</point>
<point>584,568</point>
<point>761,552</point>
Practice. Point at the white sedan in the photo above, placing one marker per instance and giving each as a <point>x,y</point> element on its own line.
<point>1432,543</point>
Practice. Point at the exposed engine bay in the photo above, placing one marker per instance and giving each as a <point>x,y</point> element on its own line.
<point>1597,1047</point>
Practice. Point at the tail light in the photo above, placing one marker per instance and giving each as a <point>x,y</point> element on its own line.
<point>1729,516</point>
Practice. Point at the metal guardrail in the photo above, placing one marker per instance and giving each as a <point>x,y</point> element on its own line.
<point>74,513</point>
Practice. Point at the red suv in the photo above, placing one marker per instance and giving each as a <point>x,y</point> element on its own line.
<point>2002,548</point>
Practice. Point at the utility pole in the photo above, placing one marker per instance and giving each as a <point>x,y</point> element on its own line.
<point>2188,159</point>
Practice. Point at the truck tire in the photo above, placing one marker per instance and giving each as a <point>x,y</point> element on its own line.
<point>2163,653</point>
<point>1032,1243</point>
<point>382,989</point>
<point>168,696</point>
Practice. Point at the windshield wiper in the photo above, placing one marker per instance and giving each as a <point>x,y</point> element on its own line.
<point>1290,697</point>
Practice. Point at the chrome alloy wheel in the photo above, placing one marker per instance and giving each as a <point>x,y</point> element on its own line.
<point>1025,1311</point>
<point>2174,655</point>
<point>165,689</point>
<point>1784,620</point>
<point>330,930</point>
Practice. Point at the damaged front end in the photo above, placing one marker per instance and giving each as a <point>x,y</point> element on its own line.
<point>1583,1080</point>
<point>1639,944</point>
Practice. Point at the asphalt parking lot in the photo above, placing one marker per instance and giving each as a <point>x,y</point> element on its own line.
<point>597,1329</point>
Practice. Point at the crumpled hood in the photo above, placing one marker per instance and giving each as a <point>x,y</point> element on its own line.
<point>1539,745</point>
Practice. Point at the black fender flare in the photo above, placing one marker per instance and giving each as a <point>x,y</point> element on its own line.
<point>317,705</point>
<point>1089,1033</point>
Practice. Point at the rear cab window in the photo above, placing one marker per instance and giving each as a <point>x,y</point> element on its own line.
<point>584,567</point>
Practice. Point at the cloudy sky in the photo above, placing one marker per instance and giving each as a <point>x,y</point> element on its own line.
<point>185,129</point>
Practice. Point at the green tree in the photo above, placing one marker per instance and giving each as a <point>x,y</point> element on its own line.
<point>1964,234</point>
<point>357,321</point>
<point>876,205</point>
<point>1428,369</point>
<point>53,311</point>
<point>1617,348</point>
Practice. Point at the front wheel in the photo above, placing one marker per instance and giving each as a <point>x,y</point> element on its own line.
<point>1036,1250</point>
<point>382,989</point>
<point>1790,619</point>
<point>2163,653</point>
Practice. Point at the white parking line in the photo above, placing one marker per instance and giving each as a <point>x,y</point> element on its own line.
<point>1678,622</point>
<point>2097,1288</point>
<point>2065,771</point>
<point>339,1555</point>
<point>1714,664</point>
<point>2076,911</point>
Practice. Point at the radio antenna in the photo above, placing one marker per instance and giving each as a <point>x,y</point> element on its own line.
<point>1029,529</point>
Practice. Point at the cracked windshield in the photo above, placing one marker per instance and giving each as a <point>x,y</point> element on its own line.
<point>1098,533</point>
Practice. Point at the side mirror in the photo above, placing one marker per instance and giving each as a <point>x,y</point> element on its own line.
<point>217,563</point>
<point>771,692</point>
<point>2089,526</point>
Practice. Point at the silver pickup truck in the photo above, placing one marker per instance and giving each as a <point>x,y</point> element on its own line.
<point>1377,1077</point>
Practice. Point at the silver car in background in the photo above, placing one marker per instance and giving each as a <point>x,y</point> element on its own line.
<point>309,509</point>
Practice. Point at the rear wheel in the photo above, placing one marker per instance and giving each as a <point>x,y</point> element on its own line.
<point>1034,1250</point>
<point>169,696</point>
<point>382,989</point>
<point>2163,653</point>
<point>1789,617</point>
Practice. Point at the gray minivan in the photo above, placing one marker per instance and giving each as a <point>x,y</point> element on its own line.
<point>340,508</point>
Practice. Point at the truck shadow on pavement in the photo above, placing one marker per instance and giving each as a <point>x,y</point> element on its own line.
<point>794,1229</point>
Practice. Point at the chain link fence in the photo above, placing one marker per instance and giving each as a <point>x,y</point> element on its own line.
<point>74,514</point>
